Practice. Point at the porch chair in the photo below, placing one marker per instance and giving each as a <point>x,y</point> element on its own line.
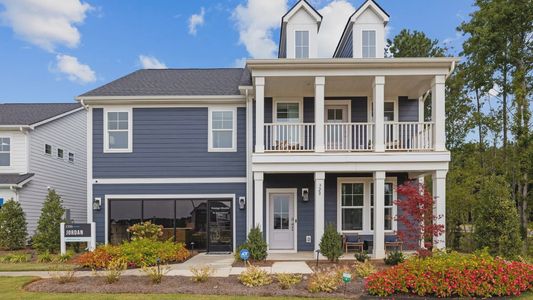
<point>352,241</point>
<point>394,242</point>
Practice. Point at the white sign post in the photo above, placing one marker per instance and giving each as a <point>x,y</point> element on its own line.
<point>73,233</point>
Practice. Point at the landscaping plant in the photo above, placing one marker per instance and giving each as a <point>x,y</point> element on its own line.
<point>361,256</point>
<point>324,281</point>
<point>287,280</point>
<point>63,276</point>
<point>156,273</point>
<point>114,270</point>
<point>201,273</point>
<point>453,275</point>
<point>364,269</point>
<point>331,243</point>
<point>45,257</point>
<point>63,258</point>
<point>13,232</point>
<point>14,258</point>
<point>255,276</point>
<point>145,230</point>
<point>393,258</point>
<point>47,236</point>
<point>256,244</point>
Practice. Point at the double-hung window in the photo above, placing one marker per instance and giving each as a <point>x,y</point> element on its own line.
<point>352,206</point>
<point>222,130</point>
<point>389,205</point>
<point>302,44</point>
<point>369,44</point>
<point>118,130</point>
<point>286,134</point>
<point>5,151</point>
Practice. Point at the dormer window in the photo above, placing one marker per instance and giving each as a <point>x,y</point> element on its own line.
<point>369,43</point>
<point>302,44</point>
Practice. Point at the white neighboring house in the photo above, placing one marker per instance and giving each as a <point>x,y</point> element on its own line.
<point>43,146</point>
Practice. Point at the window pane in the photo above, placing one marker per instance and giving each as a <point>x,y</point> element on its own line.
<point>123,125</point>
<point>123,116</point>
<point>191,223</point>
<point>160,212</point>
<point>302,44</point>
<point>47,149</point>
<point>388,194</point>
<point>288,112</point>
<point>222,120</point>
<point>122,214</point>
<point>5,144</point>
<point>112,116</point>
<point>118,140</point>
<point>352,219</point>
<point>388,218</point>
<point>222,139</point>
<point>4,159</point>
<point>358,200</point>
<point>60,153</point>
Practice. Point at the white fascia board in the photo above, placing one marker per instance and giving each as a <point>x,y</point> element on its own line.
<point>374,7</point>
<point>302,5</point>
<point>120,100</point>
<point>56,117</point>
<point>198,180</point>
<point>14,127</point>
<point>366,157</point>
<point>344,167</point>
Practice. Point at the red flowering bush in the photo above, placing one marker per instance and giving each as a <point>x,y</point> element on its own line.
<point>453,275</point>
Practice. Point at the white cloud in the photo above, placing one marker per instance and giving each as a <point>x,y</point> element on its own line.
<point>45,23</point>
<point>75,71</point>
<point>240,62</point>
<point>335,15</point>
<point>255,21</point>
<point>150,62</point>
<point>196,20</point>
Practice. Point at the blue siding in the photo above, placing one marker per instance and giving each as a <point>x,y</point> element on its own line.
<point>305,210</point>
<point>239,189</point>
<point>407,109</point>
<point>346,45</point>
<point>169,142</point>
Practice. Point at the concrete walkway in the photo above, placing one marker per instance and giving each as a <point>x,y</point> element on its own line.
<point>221,263</point>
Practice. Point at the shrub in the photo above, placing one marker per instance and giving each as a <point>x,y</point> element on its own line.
<point>286,280</point>
<point>146,230</point>
<point>14,258</point>
<point>44,257</point>
<point>256,244</point>
<point>255,276</point>
<point>201,273</point>
<point>47,236</point>
<point>323,281</point>
<point>63,258</point>
<point>364,269</point>
<point>156,273</point>
<point>13,233</point>
<point>453,275</point>
<point>114,270</point>
<point>63,276</point>
<point>394,258</point>
<point>496,222</point>
<point>331,243</point>
<point>361,256</point>
<point>99,258</point>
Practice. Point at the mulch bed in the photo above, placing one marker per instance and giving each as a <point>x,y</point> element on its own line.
<point>184,285</point>
<point>327,265</point>
<point>258,263</point>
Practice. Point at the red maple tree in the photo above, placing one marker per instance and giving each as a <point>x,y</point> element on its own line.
<point>416,204</point>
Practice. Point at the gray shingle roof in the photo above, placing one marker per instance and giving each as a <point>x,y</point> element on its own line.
<point>176,82</point>
<point>31,113</point>
<point>14,178</point>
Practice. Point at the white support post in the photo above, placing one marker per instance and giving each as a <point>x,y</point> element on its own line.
<point>379,110</point>
<point>63,247</point>
<point>92,243</point>
<point>249,174</point>
<point>438,112</point>
<point>439,206</point>
<point>379,215</point>
<point>259,114</point>
<point>319,113</point>
<point>258,199</point>
<point>421,109</point>
<point>320,178</point>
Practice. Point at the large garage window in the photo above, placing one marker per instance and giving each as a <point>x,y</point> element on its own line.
<point>160,212</point>
<point>123,214</point>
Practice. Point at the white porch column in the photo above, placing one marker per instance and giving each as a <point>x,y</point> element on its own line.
<point>379,107</point>
<point>438,112</point>
<point>319,207</point>
<point>259,114</point>
<point>258,200</point>
<point>379,215</point>
<point>319,113</point>
<point>439,206</point>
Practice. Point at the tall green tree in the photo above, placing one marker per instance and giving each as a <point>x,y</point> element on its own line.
<point>47,236</point>
<point>414,44</point>
<point>13,232</point>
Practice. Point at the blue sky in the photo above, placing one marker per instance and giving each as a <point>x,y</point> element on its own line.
<point>52,51</point>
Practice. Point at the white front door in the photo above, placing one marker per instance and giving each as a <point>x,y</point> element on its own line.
<point>337,132</point>
<point>281,221</point>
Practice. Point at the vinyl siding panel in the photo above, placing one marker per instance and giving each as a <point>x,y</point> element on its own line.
<point>18,152</point>
<point>68,179</point>
<point>346,47</point>
<point>169,142</point>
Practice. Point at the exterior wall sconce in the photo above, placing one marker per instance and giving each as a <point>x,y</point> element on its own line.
<point>305,194</point>
<point>242,202</point>
<point>97,204</point>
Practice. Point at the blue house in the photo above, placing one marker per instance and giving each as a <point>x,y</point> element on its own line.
<point>288,144</point>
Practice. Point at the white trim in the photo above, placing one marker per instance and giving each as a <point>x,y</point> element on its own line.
<point>169,180</point>
<point>160,99</point>
<point>89,157</point>
<point>233,111</point>
<point>293,191</point>
<point>10,152</point>
<point>348,103</point>
<point>128,110</point>
<point>167,196</point>
<point>366,181</point>
<point>249,174</point>
<point>32,126</point>
<point>178,105</point>
<point>306,7</point>
<point>374,7</point>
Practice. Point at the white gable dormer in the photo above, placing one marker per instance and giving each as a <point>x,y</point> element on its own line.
<point>299,32</point>
<point>369,23</point>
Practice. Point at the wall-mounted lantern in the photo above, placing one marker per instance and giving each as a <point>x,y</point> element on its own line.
<point>97,203</point>
<point>305,194</point>
<point>242,202</point>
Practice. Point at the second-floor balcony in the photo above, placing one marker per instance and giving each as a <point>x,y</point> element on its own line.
<point>348,137</point>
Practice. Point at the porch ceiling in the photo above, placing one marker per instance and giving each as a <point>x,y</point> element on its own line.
<point>340,86</point>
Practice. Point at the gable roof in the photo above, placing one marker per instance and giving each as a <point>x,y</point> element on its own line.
<point>282,47</point>
<point>25,114</point>
<point>175,82</point>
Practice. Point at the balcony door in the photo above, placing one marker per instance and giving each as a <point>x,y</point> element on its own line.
<point>337,133</point>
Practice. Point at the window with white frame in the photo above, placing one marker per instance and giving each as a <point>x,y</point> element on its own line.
<point>48,149</point>
<point>389,111</point>
<point>60,153</point>
<point>287,113</point>
<point>5,151</point>
<point>389,205</point>
<point>222,130</point>
<point>71,157</point>
<point>302,44</point>
<point>117,133</point>
<point>369,43</point>
<point>352,206</point>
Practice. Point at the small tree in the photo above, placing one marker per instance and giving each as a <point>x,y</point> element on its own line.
<point>13,232</point>
<point>256,244</point>
<point>496,222</point>
<point>420,224</point>
<point>47,236</point>
<point>331,243</point>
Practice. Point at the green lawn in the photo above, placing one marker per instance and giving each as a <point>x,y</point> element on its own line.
<point>34,266</point>
<point>11,288</point>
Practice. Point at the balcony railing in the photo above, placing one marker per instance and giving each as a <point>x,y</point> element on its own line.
<point>348,137</point>
<point>406,136</point>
